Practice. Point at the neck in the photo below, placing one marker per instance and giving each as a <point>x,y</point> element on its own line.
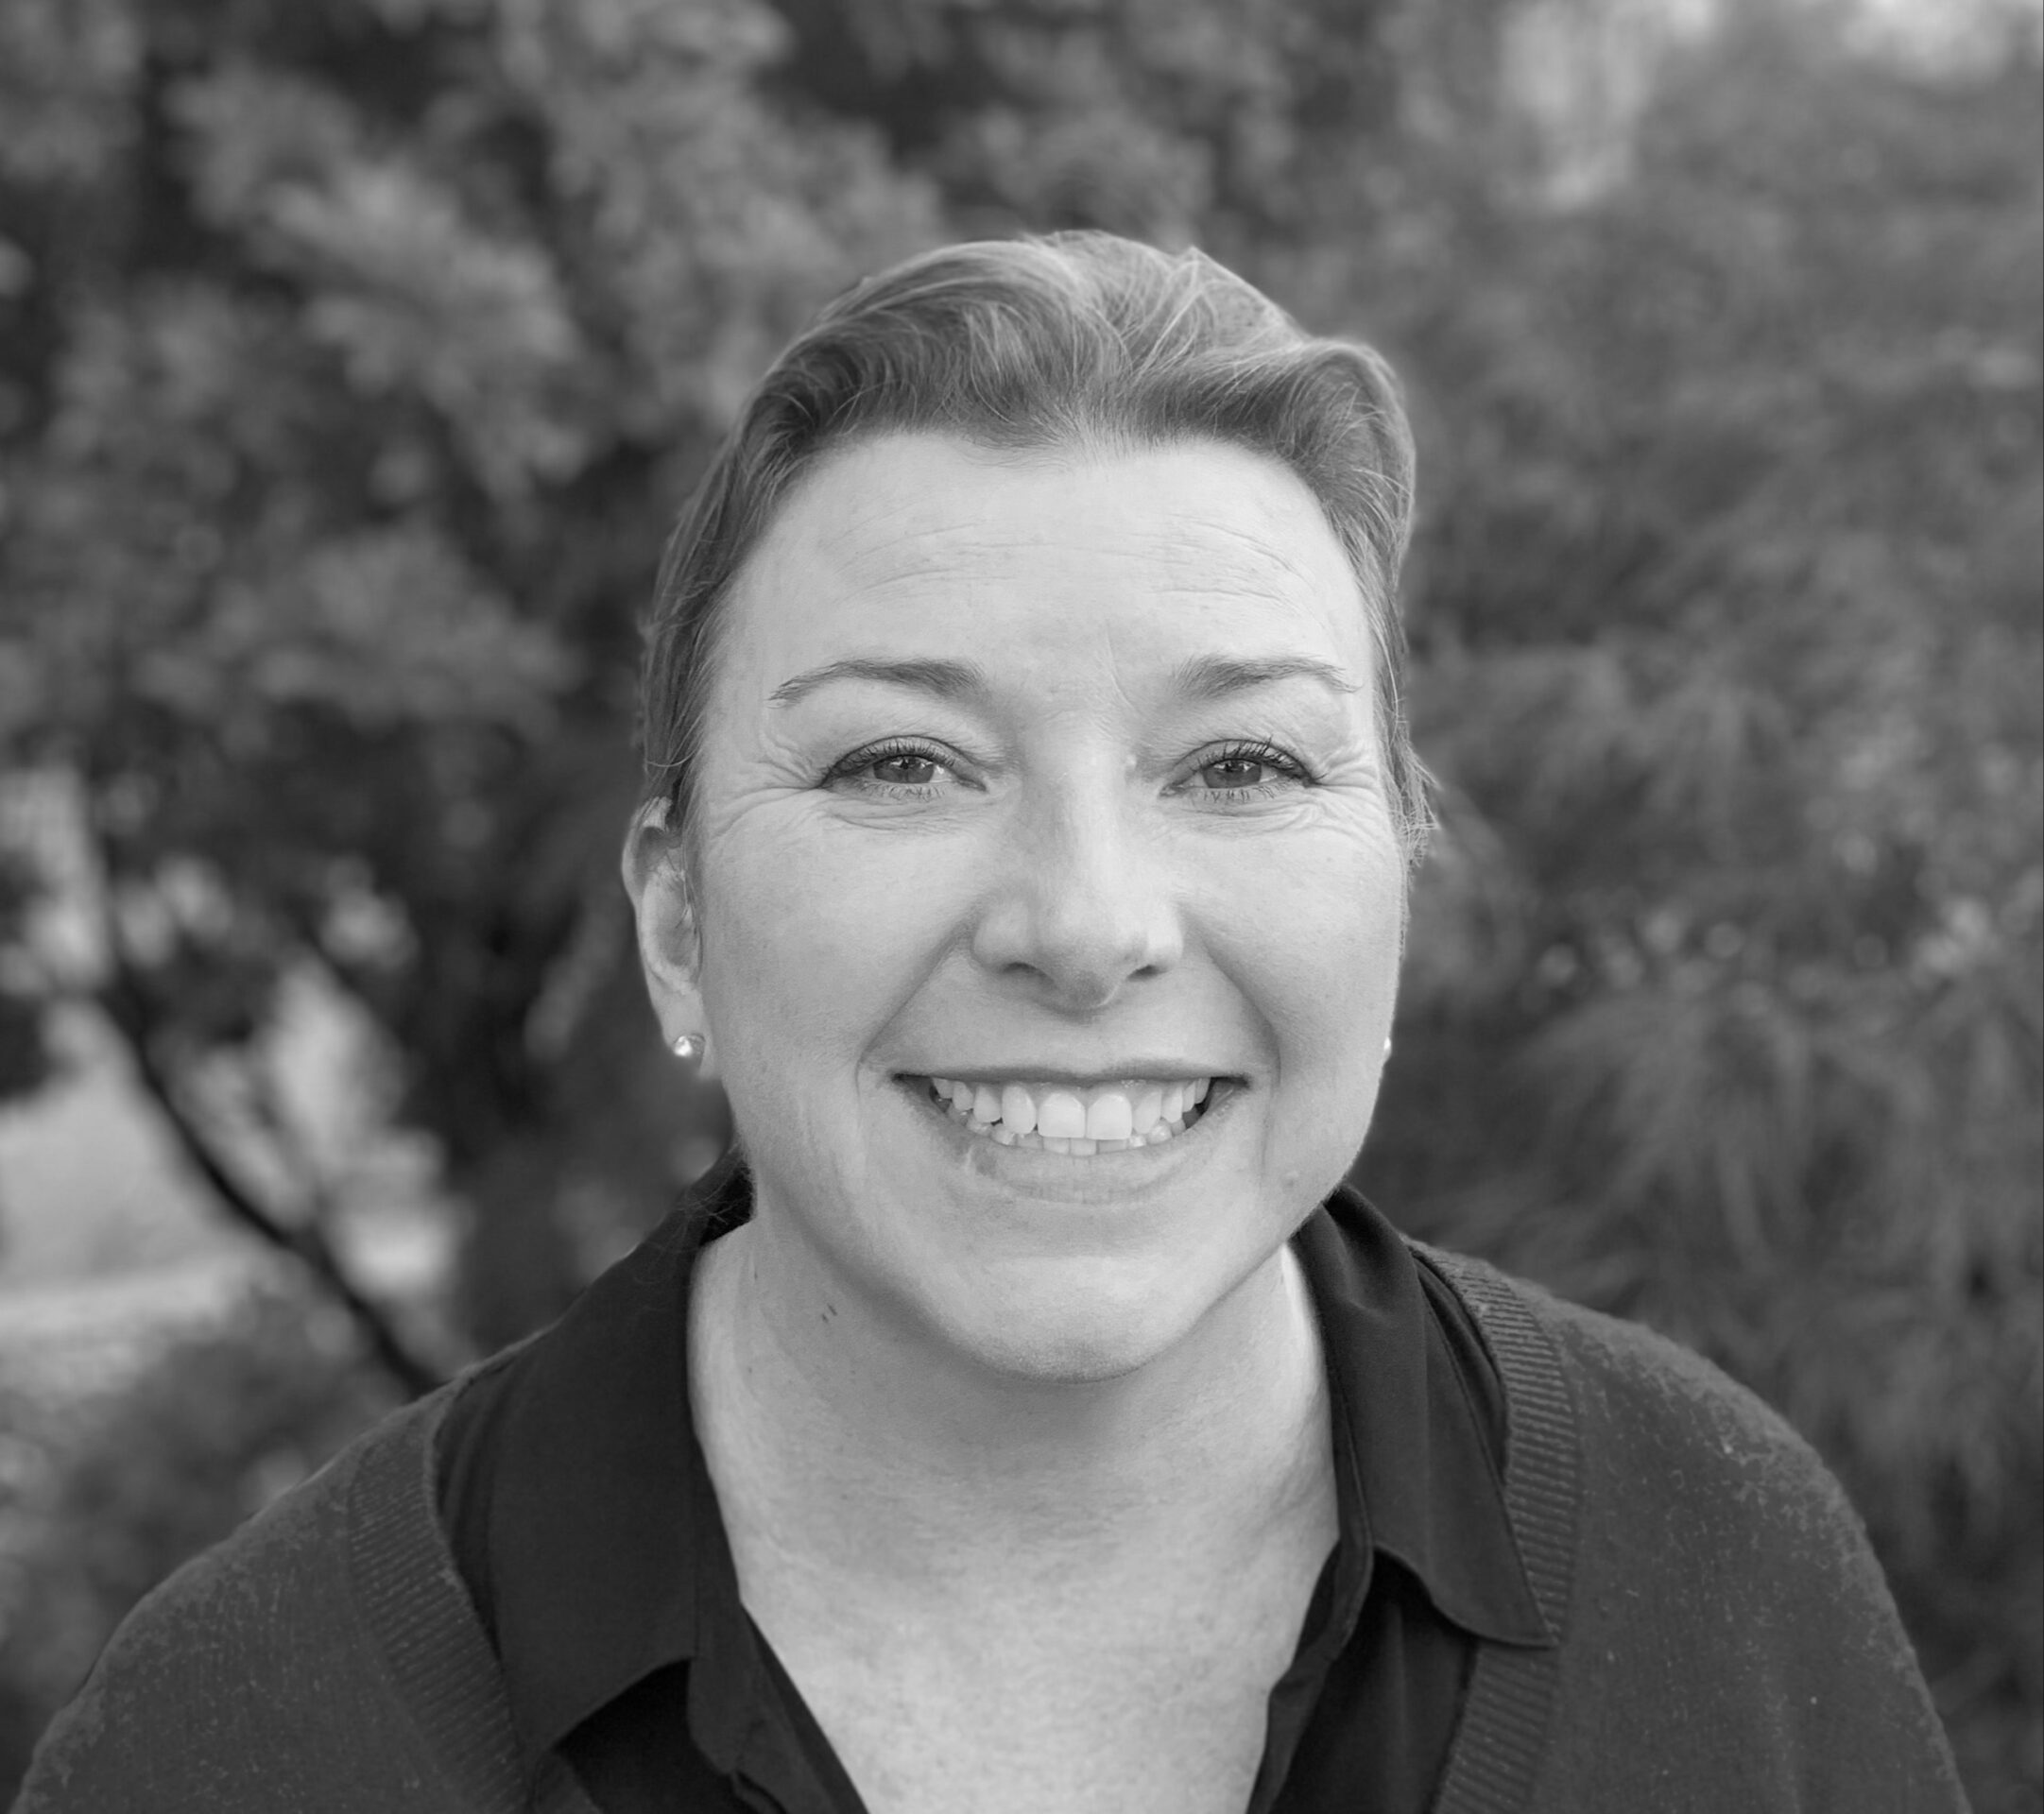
<point>870,1451</point>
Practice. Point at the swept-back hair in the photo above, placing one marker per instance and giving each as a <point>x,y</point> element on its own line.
<point>1076,342</point>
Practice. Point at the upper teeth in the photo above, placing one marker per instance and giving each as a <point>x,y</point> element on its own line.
<point>1138,1112</point>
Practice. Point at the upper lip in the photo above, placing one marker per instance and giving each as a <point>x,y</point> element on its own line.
<point>1149,1070</point>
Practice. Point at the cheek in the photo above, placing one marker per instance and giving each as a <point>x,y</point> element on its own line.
<point>811,943</point>
<point>1316,941</point>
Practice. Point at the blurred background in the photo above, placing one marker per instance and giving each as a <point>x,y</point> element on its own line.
<point>355,355</point>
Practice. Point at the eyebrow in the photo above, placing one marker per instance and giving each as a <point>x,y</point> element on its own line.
<point>945,679</point>
<point>1220,676</point>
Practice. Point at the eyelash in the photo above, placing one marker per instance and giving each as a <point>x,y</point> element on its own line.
<point>1269,755</point>
<point>847,768</point>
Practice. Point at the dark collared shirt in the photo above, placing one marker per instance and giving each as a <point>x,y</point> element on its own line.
<point>582,1517</point>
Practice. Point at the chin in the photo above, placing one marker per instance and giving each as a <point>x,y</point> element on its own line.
<point>1075,1324</point>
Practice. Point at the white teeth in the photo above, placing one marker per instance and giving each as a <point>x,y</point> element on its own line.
<point>1102,1118</point>
<point>1061,1117</point>
<point>1109,1116</point>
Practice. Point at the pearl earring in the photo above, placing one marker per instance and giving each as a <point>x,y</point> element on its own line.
<point>1387,1048</point>
<point>686,1046</point>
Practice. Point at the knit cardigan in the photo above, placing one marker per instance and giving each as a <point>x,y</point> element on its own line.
<point>1727,1643</point>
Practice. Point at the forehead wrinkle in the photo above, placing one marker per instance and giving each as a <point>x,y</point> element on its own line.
<point>954,564</point>
<point>930,545</point>
<point>875,542</point>
<point>1183,533</point>
<point>945,563</point>
<point>1209,561</point>
<point>892,537</point>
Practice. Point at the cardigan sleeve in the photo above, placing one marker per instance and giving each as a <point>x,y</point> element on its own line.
<point>1731,1641</point>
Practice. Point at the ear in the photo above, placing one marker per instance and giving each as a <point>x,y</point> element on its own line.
<point>662,903</point>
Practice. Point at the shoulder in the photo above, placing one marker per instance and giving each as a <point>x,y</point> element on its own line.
<point>1724,1620</point>
<point>254,1677</point>
<point>1691,1454</point>
<point>1657,1418</point>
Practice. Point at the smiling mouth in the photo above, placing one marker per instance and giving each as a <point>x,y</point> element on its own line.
<point>1102,1117</point>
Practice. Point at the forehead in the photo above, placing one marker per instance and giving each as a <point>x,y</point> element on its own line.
<point>918,536</point>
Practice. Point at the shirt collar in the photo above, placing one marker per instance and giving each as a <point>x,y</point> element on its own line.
<point>607,1556</point>
<point>609,1559</point>
<point>1417,1470</point>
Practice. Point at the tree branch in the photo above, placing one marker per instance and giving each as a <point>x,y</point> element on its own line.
<point>125,1001</point>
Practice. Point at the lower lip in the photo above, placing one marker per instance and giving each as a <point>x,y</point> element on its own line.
<point>1038,1160</point>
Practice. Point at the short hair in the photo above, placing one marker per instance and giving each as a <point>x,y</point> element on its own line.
<point>1079,341</point>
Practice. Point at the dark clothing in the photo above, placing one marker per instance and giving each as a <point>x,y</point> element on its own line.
<point>1725,1639</point>
<point>581,1516</point>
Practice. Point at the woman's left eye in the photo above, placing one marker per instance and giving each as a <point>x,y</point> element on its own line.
<point>1237,771</point>
<point>904,771</point>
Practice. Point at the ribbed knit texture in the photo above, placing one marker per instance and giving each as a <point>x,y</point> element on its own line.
<point>1728,1643</point>
<point>1506,1725</point>
<point>440,1661</point>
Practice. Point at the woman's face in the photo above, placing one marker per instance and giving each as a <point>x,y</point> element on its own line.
<point>1039,794</point>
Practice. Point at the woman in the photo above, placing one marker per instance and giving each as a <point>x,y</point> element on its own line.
<point>1031,1419</point>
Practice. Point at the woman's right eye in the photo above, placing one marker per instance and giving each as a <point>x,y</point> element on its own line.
<point>900,771</point>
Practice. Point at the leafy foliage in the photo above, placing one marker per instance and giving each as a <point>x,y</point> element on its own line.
<point>354,356</point>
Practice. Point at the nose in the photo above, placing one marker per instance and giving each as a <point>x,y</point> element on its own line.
<point>1084,902</point>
